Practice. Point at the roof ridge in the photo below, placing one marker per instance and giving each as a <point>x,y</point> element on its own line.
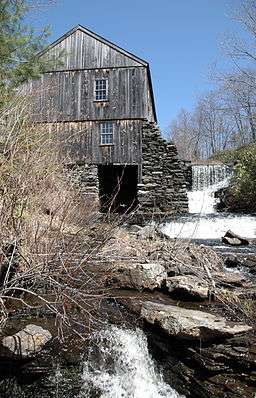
<point>97,37</point>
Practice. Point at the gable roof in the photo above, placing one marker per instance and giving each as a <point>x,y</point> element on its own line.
<point>99,38</point>
<point>113,46</point>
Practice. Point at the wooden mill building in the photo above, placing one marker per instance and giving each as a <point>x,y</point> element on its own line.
<point>98,99</point>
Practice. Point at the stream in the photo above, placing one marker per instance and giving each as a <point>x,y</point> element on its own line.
<point>119,364</point>
<point>204,224</point>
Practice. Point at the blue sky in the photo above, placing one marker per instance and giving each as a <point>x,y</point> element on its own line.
<point>180,38</point>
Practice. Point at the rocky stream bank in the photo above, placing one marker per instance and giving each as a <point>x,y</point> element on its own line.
<point>198,314</point>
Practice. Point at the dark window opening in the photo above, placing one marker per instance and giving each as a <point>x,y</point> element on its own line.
<point>101,89</point>
<point>118,188</point>
<point>106,133</point>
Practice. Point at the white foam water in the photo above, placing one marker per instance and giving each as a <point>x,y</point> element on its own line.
<point>203,201</point>
<point>210,227</point>
<point>204,222</point>
<point>123,368</point>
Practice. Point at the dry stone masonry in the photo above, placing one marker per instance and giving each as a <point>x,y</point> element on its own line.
<point>85,177</point>
<point>163,185</point>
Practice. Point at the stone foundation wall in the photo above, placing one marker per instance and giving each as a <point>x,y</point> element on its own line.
<point>162,185</point>
<point>85,177</point>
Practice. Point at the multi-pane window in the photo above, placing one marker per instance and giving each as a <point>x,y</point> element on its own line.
<point>106,133</point>
<point>101,89</point>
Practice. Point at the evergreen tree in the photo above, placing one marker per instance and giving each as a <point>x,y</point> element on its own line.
<point>19,47</point>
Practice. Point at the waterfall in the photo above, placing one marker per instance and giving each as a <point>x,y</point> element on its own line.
<point>206,180</point>
<point>206,176</point>
<point>119,365</point>
<point>204,222</point>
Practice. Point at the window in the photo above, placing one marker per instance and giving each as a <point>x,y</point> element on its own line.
<point>106,133</point>
<point>101,89</point>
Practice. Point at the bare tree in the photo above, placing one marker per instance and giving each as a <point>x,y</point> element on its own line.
<point>238,48</point>
<point>239,97</point>
<point>181,132</point>
<point>225,117</point>
<point>209,129</point>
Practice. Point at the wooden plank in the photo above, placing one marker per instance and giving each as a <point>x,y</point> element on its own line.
<point>72,95</point>
<point>81,142</point>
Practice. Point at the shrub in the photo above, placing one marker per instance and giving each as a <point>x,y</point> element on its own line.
<point>48,232</point>
<point>243,185</point>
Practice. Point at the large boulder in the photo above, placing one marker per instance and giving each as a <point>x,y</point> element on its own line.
<point>230,238</point>
<point>188,286</point>
<point>189,324</point>
<point>26,343</point>
<point>137,276</point>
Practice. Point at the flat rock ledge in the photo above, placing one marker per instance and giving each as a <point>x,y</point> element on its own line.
<point>189,324</point>
<point>26,343</point>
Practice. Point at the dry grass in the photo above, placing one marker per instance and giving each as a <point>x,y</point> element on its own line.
<point>48,232</point>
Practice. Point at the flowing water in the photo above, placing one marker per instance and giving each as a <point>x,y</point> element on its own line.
<point>203,222</point>
<point>120,366</point>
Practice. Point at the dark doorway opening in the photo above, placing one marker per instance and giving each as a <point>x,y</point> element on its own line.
<point>118,188</point>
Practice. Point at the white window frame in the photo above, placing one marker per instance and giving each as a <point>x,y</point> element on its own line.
<point>106,133</point>
<point>98,91</point>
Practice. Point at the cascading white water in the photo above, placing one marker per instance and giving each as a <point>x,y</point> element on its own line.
<point>121,367</point>
<point>206,180</point>
<point>205,176</point>
<point>204,222</point>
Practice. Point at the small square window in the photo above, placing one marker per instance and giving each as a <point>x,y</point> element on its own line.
<point>106,133</point>
<point>101,90</point>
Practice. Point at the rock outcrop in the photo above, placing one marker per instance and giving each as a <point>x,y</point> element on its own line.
<point>189,324</point>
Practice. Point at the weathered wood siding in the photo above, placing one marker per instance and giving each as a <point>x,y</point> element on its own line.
<point>82,51</point>
<point>80,142</point>
<point>150,116</point>
<point>69,96</point>
<point>64,99</point>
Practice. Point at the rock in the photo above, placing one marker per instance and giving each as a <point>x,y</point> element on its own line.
<point>248,293</point>
<point>230,238</point>
<point>27,343</point>
<point>134,228</point>
<point>249,264</point>
<point>189,324</point>
<point>188,286</point>
<point>232,261</point>
<point>138,276</point>
<point>238,261</point>
<point>230,279</point>
<point>147,232</point>
<point>190,259</point>
<point>217,369</point>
